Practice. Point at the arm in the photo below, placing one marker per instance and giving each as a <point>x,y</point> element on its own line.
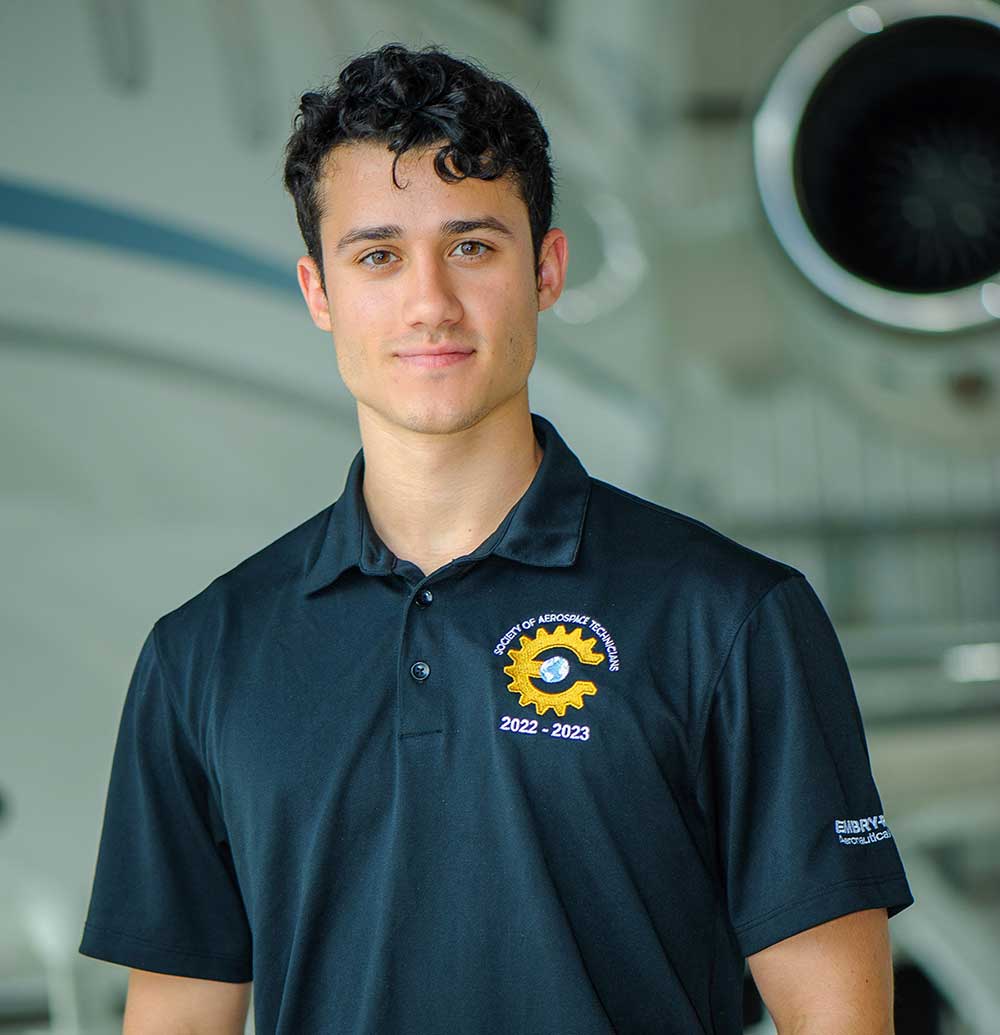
<point>833,979</point>
<point>163,1004</point>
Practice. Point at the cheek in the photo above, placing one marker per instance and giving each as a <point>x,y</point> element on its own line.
<point>520,315</point>
<point>353,311</point>
<point>508,302</point>
<point>354,320</point>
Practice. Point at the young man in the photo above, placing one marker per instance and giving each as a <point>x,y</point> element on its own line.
<point>488,745</point>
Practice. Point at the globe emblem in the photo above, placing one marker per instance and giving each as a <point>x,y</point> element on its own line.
<point>554,669</point>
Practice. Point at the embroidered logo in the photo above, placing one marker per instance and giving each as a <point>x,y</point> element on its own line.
<point>865,830</point>
<point>525,667</point>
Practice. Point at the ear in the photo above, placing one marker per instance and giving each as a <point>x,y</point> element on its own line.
<point>313,293</point>
<point>551,276</point>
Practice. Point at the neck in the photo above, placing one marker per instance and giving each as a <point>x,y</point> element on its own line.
<point>432,498</point>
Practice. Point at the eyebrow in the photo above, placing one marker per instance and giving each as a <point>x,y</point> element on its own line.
<point>392,230</point>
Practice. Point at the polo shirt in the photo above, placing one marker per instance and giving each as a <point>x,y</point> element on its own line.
<point>563,784</point>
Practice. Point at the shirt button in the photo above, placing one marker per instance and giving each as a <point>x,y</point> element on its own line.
<point>424,597</point>
<point>420,670</point>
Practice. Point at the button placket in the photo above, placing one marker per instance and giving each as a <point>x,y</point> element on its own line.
<point>420,702</point>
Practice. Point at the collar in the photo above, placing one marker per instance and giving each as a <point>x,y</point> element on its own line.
<point>543,528</point>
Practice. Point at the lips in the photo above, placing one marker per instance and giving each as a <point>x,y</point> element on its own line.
<point>434,350</point>
<point>444,354</point>
<point>434,359</point>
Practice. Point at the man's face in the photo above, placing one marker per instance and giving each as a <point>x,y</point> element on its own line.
<point>427,267</point>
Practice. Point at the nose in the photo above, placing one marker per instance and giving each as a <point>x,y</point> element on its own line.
<point>430,299</point>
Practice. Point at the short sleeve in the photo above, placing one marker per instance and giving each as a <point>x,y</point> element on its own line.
<point>801,833</point>
<point>165,896</point>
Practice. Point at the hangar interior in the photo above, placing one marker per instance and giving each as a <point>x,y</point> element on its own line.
<point>781,318</point>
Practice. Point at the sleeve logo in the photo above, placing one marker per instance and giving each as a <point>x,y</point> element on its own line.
<point>865,830</point>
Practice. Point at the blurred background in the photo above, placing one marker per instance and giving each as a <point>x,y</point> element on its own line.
<point>781,318</point>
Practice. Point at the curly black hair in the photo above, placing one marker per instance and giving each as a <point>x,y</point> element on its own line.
<point>410,99</point>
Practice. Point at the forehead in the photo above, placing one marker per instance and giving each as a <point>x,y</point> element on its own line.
<point>356,183</point>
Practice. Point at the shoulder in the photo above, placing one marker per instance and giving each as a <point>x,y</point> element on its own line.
<point>654,544</point>
<point>239,601</point>
<point>637,528</point>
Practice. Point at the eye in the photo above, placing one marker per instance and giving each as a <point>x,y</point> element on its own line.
<point>476,244</point>
<point>379,251</point>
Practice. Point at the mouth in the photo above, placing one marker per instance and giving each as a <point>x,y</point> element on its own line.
<point>442,356</point>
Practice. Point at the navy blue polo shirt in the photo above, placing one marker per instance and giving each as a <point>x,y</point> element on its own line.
<point>563,784</point>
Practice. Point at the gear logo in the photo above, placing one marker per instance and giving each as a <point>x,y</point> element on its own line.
<point>525,667</point>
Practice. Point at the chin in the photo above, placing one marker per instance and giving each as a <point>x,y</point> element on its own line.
<point>443,421</point>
